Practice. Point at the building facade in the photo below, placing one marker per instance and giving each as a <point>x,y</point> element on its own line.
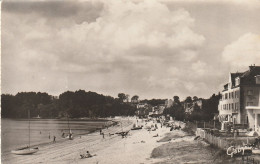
<point>168,103</point>
<point>241,91</point>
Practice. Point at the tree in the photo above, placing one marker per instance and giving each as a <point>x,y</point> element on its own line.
<point>176,99</point>
<point>188,100</point>
<point>121,97</point>
<point>76,104</point>
<point>176,110</point>
<point>135,98</point>
<point>195,98</point>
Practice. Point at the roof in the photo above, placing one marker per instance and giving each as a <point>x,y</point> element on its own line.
<point>234,76</point>
<point>248,77</point>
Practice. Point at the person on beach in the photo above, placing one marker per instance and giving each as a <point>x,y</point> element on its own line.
<point>103,135</point>
<point>49,136</point>
<point>100,131</point>
<point>54,139</point>
<point>87,155</point>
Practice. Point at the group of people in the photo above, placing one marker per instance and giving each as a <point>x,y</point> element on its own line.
<point>86,155</point>
<point>54,138</point>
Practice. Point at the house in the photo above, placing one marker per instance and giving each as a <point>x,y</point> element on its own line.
<point>143,109</point>
<point>141,105</point>
<point>157,111</point>
<point>239,102</point>
<point>189,107</point>
<point>134,101</point>
<point>168,103</point>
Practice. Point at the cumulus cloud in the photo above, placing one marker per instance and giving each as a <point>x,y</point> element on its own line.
<point>243,52</point>
<point>249,4</point>
<point>139,48</point>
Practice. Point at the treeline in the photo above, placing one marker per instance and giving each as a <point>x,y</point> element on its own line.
<point>73,104</point>
<point>154,102</point>
<point>206,112</point>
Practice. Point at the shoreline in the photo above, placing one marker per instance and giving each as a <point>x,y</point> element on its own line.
<point>104,124</point>
<point>140,146</point>
<point>70,145</point>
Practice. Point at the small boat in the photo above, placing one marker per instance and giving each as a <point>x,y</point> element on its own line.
<point>26,150</point>
<point>38,117</point>
<point>136,128</point>
<point>70,135</point>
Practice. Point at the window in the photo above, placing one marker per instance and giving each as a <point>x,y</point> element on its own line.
<point>232,106</point>
<point>237,81</point>
<point>229,106</point>
<point>257,78</point>
<point>229,95</point>
<point>249,92</point>
<point>232,95</point>
<point>226,95</point>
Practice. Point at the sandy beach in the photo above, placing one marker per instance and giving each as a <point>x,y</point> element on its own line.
<point>140,146</point>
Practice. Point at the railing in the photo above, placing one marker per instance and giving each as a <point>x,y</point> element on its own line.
<point>213,140</point>
<point>208,124</point>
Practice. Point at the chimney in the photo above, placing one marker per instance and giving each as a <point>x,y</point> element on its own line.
<point>251,67</point>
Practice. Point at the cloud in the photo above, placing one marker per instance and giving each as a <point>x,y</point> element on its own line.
<point>243,52</point>
<point>105,46</point>
<point>248,4</point>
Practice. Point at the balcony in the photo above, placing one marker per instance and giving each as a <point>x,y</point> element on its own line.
<point>253,109</point>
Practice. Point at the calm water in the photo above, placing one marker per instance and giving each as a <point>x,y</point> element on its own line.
<point>15,133</point>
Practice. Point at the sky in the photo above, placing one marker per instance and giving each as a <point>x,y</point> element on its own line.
<point>149,48</point>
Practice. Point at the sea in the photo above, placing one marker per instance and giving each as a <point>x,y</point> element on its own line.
<point>15,132</point>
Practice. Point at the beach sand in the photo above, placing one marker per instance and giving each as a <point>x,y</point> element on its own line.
<point>136,148</point>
